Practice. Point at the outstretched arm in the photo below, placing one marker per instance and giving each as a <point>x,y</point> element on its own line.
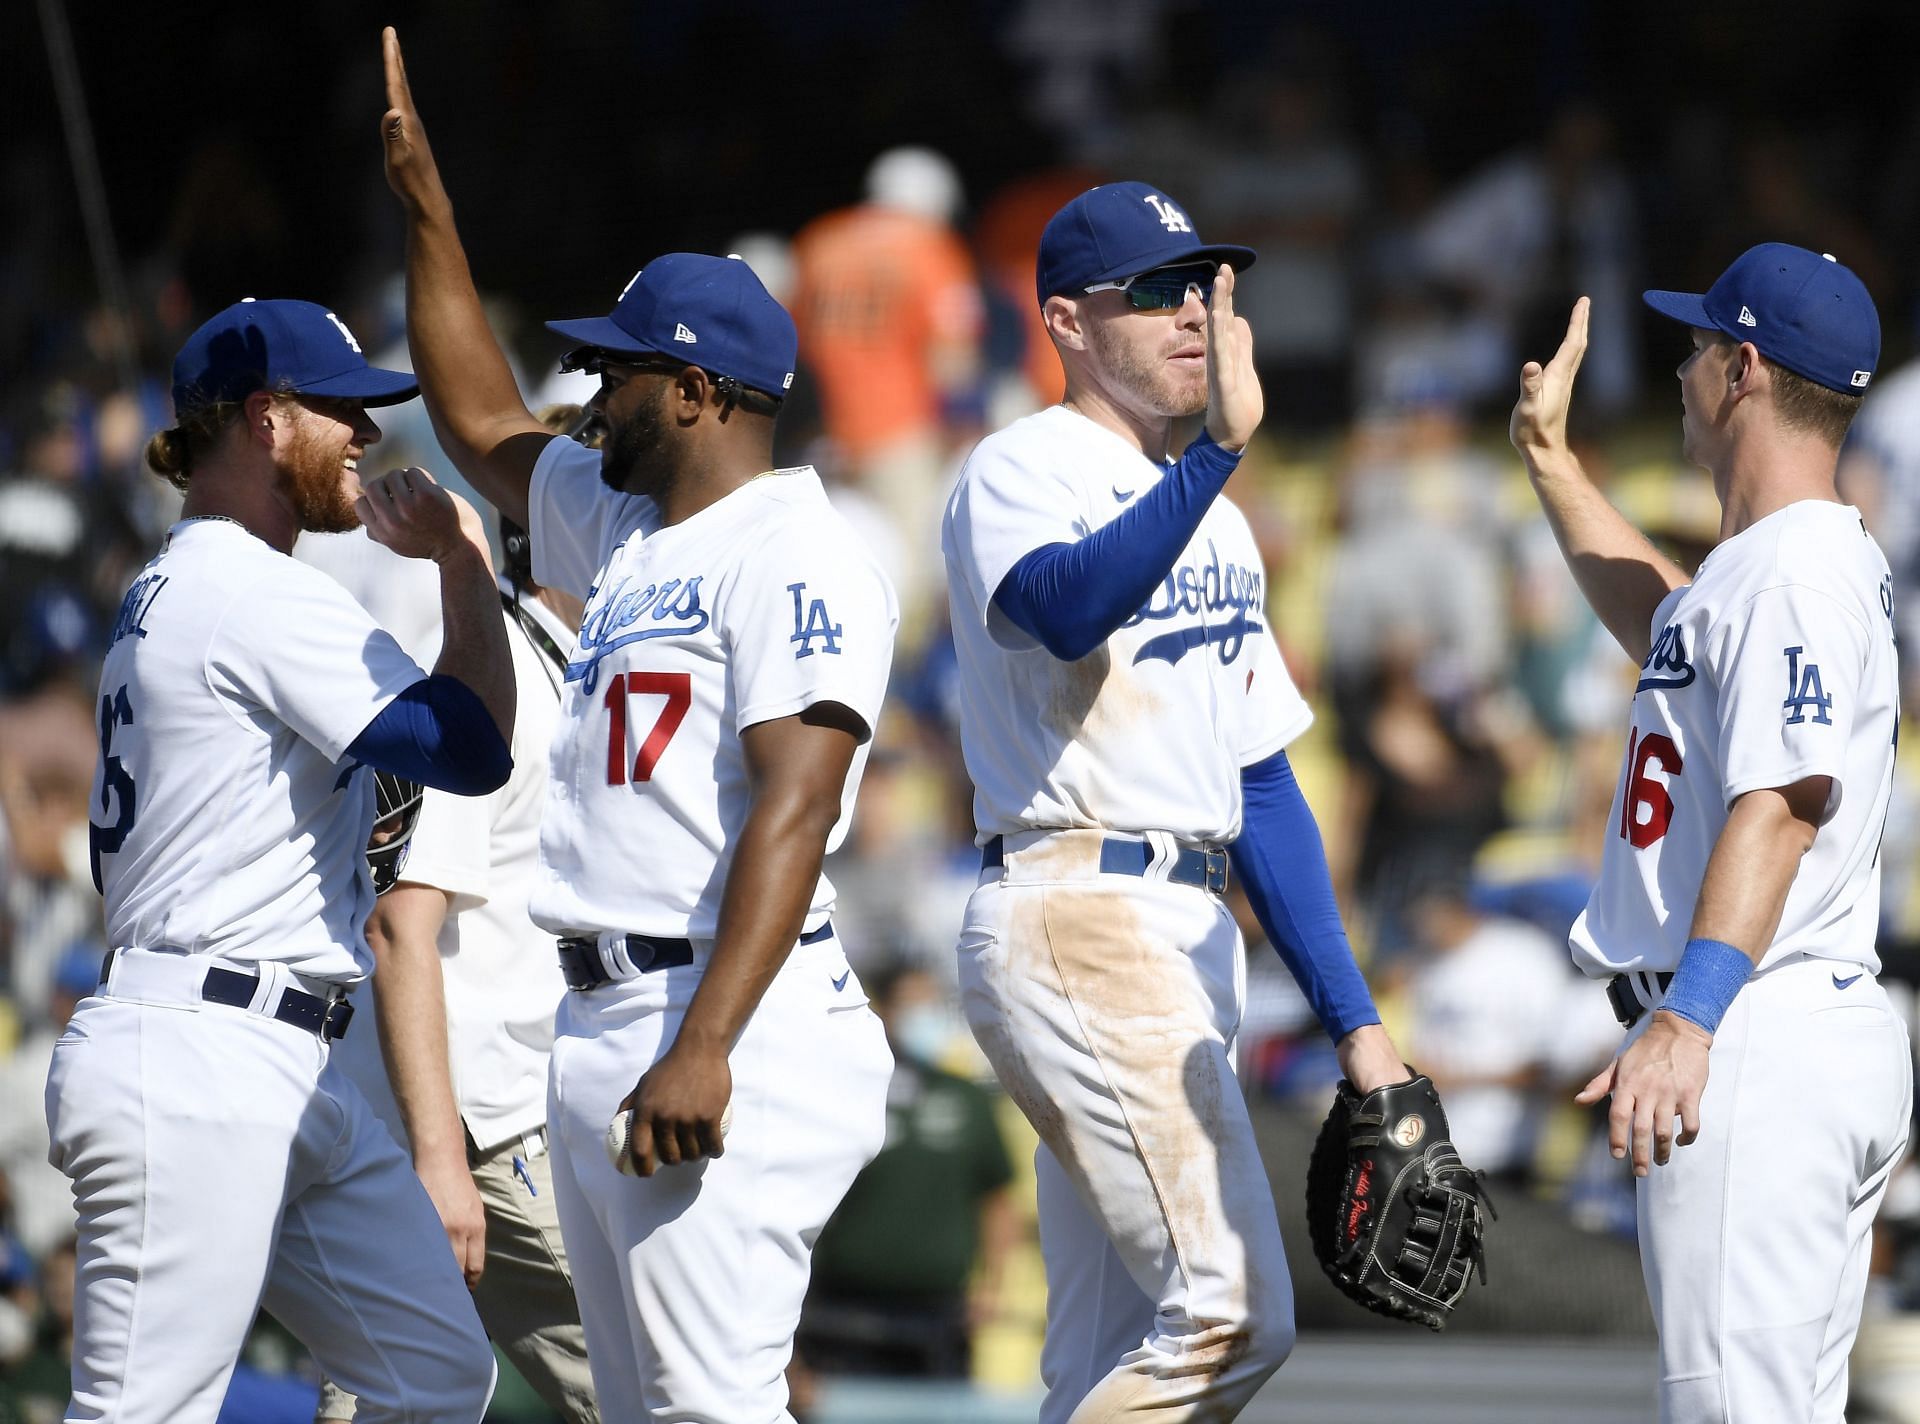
<point>1283,868</point>
<point>1622,575</point>
<point>476,407</point>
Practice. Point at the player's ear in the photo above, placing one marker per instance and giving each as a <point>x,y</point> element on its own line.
<point>1744,370</point>
<point>1062,316</point>
<point>259,415</point>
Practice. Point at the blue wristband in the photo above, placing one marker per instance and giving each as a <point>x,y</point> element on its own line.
<point>1711,972</point>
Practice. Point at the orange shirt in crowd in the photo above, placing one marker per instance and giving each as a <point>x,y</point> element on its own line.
<point>1008,238</point>
<point>889,311</point>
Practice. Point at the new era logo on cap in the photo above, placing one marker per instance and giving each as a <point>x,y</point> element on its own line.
<point>1746,318</point>
<point>1860,378</point>
<point>680,333</point>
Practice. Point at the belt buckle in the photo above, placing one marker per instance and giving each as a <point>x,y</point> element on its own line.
<point>1216,863</point>
<point>336,1020</point>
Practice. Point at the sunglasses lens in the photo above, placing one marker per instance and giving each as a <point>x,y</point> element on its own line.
<point>1157,291</point>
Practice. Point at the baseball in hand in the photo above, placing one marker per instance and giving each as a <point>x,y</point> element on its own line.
<point>620,1137</point>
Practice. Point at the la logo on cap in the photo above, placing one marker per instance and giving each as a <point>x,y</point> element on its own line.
<point>1171,218</point>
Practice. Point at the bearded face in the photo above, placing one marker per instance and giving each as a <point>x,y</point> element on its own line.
<point>319,472</point>
<point>635,455</point>
<point>1158,363</point>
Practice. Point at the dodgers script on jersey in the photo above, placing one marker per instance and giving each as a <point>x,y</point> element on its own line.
<point>1150,730</point>
<point>1775,664</point>
<point>254,673</point>
<point>757,607</point>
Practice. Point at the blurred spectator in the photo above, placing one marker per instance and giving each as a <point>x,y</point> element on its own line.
<point>1485,996</point>
<point>912,1260</point>
<point>48,747</point>
<point>1879,474</point>
<point>34,1388</point>
<point>1007,238</point>
<point>1292,189</point>
<point>42,1198</point>
<point>888,307</point>
<point>1502,258</point>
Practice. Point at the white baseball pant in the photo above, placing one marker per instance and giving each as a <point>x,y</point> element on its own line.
<point>690,1281</point>
<point>1754,1238</point>
<point>1108,1005</point>
<point>219,1165</point>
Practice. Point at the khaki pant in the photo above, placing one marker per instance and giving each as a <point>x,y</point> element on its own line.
<point>525,1296</point>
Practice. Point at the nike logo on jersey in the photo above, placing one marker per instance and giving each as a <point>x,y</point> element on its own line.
<point>841,982</point>
<point>612,613</point>
<point>1190,590</point>
<point>1847,983</point>
<point>1666,665</point>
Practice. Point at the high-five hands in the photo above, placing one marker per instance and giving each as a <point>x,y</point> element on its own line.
<point>1234,401</point>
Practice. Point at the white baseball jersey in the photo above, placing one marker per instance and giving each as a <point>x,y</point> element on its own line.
<point>1150,730</point>
<point>1775,664</point>
<point>501,979</point>
<point>226,818</point>
<point>757,607</point>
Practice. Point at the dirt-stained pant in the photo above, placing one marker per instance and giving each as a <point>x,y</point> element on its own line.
<point>1108,1004</point>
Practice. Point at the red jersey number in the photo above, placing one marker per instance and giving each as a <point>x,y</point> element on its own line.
<point>1648,808</point>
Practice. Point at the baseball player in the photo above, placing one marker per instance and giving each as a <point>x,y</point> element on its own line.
<point>1735,915</point>
<point>1124,714</point>
<point>463,993</point>
<point>219,1161</point>
<point>714,721</point>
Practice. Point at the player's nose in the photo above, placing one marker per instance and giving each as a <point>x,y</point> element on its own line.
<point>366,430</point>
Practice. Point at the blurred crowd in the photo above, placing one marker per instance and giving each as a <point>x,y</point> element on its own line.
<point>1469,708</point>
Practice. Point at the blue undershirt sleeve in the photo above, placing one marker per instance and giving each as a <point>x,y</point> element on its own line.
<point>1283,867</point>
<point>1071,597</point>
<point>437,732</point>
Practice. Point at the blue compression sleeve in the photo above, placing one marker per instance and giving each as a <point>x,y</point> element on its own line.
<point>437,732</point>
<point>1072,597</point>
<point>1283,867</point>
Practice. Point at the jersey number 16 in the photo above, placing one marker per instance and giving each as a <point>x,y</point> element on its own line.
<point>1647,807</point>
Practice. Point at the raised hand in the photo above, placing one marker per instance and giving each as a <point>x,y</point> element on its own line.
<point>1539,423</point>
<point>1234,401</point>
<point>411,171</point>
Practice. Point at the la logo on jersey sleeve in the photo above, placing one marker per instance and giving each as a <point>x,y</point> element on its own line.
<point>1804,691</point>
<point>813,623</point>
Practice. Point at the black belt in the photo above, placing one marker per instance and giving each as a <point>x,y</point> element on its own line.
<point>1195,865</point>
<point>1626,1004</point>
<point>326,1017</point>
<point>581,964</point>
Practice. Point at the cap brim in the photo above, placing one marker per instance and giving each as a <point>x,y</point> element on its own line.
<point>370,385</point>
<point>600,331</point>
<point>1687,307</point>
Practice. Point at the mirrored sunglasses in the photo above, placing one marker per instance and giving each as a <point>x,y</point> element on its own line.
<point>1165,287</point>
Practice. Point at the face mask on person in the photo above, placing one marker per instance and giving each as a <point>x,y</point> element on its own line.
<point>923,1032</point>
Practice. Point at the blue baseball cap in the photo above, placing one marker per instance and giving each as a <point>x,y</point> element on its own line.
<point>1121,230</point>
<point>289,346</point>
<point>711,312</point>
<point>1800,308</point>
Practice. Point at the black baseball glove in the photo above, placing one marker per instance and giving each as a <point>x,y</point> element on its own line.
<point>396,812</point>
<point>1394,1215</point>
